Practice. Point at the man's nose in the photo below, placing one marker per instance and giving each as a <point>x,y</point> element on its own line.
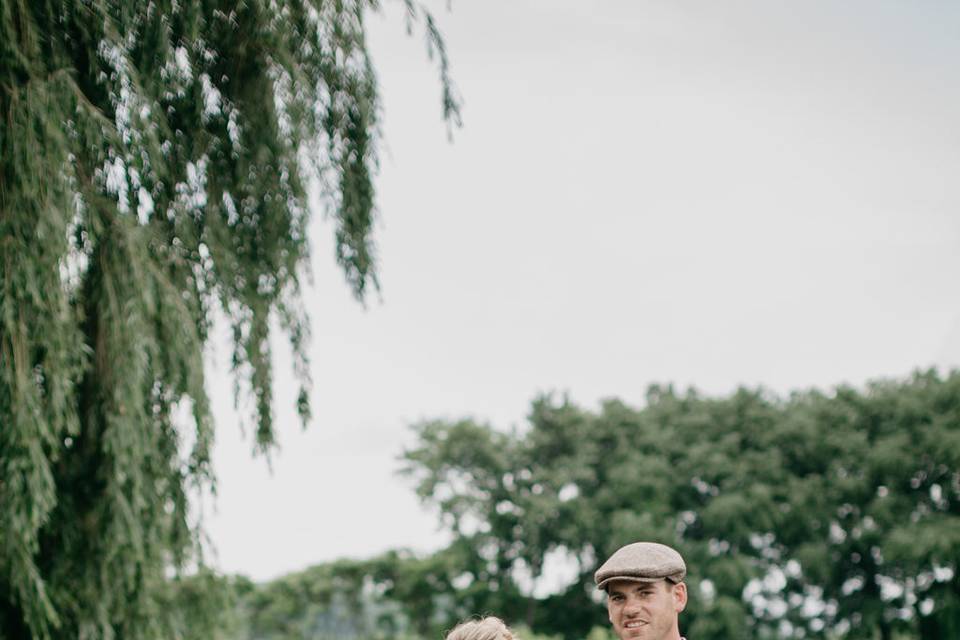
<point>631,608</point>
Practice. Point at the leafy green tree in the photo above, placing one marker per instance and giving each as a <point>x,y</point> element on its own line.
<point>826,515</point>
<point>207,606</point>
<point>154,163</point>
<point>395,595</point>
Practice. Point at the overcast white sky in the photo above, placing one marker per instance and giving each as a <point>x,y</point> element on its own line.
<point>709,194</point>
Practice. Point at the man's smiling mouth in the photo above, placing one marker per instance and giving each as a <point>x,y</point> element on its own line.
<point>633,624</point>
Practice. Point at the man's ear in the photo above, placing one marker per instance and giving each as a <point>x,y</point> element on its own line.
<point>680,596</point>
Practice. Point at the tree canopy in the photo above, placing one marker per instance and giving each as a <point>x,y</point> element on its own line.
<point>819,515</point>
<point>155,158</point>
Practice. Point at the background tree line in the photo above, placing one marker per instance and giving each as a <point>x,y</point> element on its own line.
<point>819,515</point>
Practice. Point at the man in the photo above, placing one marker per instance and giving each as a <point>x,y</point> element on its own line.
<point>645,591</point>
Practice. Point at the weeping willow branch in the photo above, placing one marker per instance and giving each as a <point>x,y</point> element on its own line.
<point>154,157</point>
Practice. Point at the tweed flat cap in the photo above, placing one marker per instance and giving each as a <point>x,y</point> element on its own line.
<point>642,562</point>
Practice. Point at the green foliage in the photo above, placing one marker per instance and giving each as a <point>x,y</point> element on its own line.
<point>395,596</point>
<point>827,514</point>
<point>525,633</point>
<point>206,606</point>
<point>154,158</point>
<point>834,516</point>
<point>601,633</point>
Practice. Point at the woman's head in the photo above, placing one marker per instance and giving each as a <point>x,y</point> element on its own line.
<point>488,628</point>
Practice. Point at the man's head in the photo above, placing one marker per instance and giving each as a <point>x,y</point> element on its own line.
<point>645,591</point>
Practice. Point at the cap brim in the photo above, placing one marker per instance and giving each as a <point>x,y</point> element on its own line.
<point>603,583</point>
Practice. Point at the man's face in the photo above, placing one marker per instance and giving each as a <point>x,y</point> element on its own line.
<point>645,610</point>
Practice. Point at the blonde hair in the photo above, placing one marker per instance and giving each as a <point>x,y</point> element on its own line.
<point>487,628</point>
